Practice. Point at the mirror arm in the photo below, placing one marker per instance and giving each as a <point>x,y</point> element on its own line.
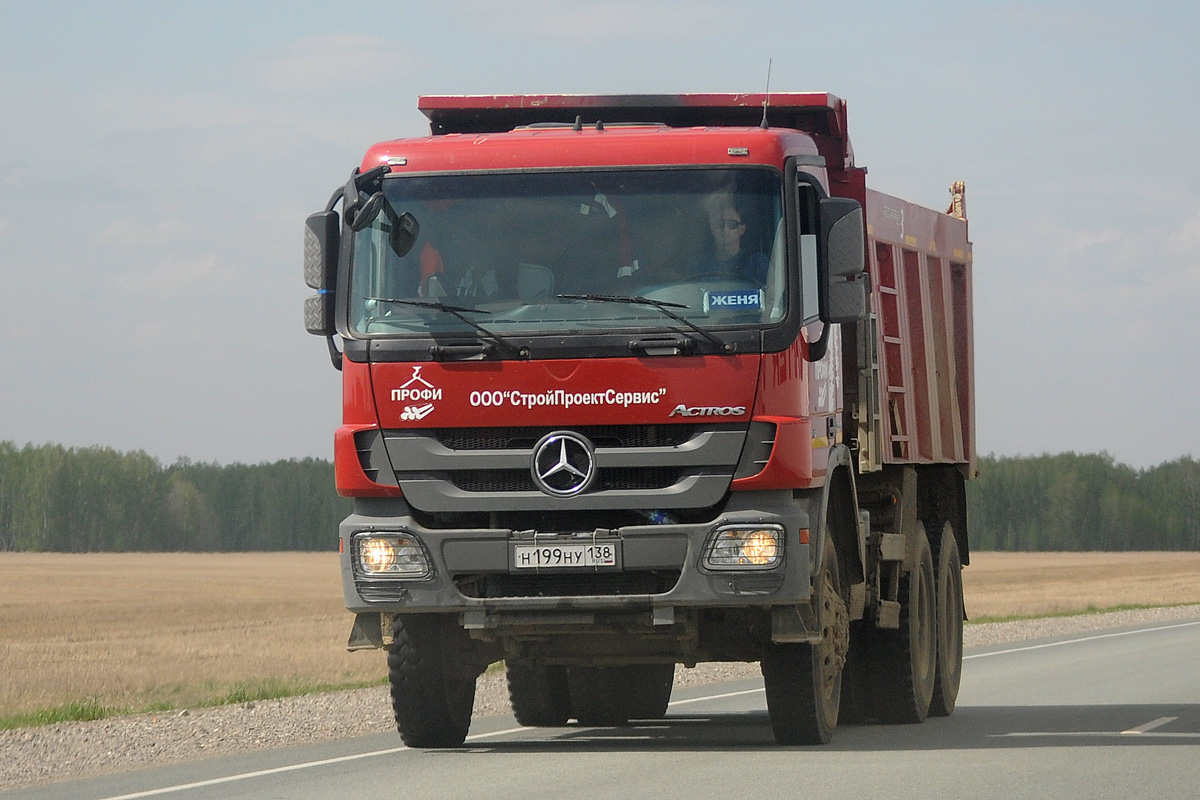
<point>338,193</point>
<point>816,350</point>
<point>335,355</point>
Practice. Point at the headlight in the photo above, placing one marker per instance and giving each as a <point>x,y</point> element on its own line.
<point>759,547</point>
<point>394,555</point>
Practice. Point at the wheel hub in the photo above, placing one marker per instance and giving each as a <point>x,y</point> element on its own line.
<point>835,628</point>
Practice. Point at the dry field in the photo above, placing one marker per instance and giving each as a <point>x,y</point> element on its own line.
<point>1029,584</point>
<point>129,630</point>
<point>140,628</point>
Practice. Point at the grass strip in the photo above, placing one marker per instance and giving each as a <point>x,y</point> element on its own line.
<point>239,693</point>
<point>1090,610</point>
<point>70,712</point>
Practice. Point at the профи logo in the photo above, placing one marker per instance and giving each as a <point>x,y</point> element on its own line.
<point>416,389</point>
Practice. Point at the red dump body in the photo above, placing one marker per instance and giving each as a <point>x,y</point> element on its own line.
<point>920,266</point>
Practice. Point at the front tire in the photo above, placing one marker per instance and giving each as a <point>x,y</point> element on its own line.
<point>804,682</point>
<point>431,696</point>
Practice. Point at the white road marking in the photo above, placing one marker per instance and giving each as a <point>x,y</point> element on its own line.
<point>1149,726</point>
<point>1140,730</point>
<point>290,768</point>
<point>715,697</point>
<point>1081,639</point>
<point>1069,734</point>
<point>355,757</point>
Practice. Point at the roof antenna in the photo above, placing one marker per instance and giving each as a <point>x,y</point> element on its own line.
<point>767,99</point>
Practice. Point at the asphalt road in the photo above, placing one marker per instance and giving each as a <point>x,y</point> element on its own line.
<point>1114,714</point>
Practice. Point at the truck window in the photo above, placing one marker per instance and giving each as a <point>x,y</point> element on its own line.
<point>709,240</point>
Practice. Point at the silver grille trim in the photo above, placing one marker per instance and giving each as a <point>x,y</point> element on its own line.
<point>427,469</point>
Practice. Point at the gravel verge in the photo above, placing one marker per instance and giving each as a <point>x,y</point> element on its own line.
<point>69,751</point>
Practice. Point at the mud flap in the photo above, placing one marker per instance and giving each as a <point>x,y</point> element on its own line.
<point>370,632</point>
<point>795,624</point>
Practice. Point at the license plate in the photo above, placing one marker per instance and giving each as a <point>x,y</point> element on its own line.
<point>564,556</point>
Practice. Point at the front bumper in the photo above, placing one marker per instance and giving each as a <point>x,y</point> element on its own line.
<point>659,567</point>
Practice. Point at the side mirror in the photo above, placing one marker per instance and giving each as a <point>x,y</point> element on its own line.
<point>402,228</point>
<point>404,231</point>
<point>321,241</point>
<point>367,213</point>
<point>843,280</point>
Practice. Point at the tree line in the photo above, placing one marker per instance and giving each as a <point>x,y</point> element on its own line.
<point>93,499</point>
<point>1077,502</point>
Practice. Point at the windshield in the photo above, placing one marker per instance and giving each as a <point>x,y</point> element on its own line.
<point>548,252</point>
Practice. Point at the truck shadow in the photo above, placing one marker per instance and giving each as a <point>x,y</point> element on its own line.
<point>969,728</point>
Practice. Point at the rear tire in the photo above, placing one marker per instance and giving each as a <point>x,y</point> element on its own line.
<point>431,697</point>
<point>902,663</point>
<point>948,566</point>
<point>648,689</point>
<point>539,695</point>
<point>804,682</point>
<point>856,691</point>
<point>597,698</point>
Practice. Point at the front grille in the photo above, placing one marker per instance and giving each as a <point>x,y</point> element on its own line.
<point>573,584</point>
<point>524,438</point>
<point>498,480</point>
<point>520,480</point>
<point>488,469</point>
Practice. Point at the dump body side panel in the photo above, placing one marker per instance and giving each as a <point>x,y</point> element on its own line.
<point>920,266</point>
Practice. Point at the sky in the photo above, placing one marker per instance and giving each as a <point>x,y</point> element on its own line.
<point>157,162</point>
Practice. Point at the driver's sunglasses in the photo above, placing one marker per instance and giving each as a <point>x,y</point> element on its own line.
<point>732,224</point>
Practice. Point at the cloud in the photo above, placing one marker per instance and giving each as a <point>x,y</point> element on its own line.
<point>1187,238</point>
<point>1068,23</point>
<point>607,19</point>
<point>16,174</point>
<point>129,233</point>
<point>179,275</point>
<point>1130,288</point>
<point>121,111</point>
<point>1080,241</point>
<point>176,273</point>
<point>340,59</point>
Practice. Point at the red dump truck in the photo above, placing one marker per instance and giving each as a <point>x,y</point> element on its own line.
<point>639,381</point>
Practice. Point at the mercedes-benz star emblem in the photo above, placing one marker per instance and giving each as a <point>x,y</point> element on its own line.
<point>564,463</point>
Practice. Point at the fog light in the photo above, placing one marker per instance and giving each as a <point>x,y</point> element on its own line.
<point>759,547</point>
<point>392,555</point>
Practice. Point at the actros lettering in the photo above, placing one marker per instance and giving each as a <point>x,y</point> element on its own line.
<point>707,411</point>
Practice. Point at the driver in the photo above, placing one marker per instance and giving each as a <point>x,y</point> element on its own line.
<point>727,258</point>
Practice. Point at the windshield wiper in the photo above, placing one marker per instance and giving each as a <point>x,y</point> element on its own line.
<point>661,305</point>
<point>460,312</point>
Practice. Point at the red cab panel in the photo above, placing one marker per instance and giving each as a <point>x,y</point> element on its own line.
<point>565,392</point>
